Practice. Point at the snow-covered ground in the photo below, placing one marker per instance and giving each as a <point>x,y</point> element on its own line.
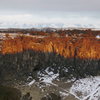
<point>87,88</point>
<point>47,76</point>
<point>82,89</point>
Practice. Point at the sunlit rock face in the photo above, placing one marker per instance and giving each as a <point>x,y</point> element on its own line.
<point>79,46</point>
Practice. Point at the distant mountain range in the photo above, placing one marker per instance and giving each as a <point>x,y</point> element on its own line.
<point>47,25</point>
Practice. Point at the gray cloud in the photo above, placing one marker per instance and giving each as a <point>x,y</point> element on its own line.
<point>32,6</point>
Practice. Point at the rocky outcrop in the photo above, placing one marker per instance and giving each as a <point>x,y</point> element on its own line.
<point>68,47</point>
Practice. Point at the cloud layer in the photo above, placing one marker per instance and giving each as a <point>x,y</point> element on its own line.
<point>49,5</point>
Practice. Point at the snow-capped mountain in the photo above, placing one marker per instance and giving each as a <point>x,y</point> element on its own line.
<point>45,25</point>
<point>33,21</point>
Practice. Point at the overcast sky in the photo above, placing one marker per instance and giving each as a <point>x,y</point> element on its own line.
<point>29,6</point>
<point>54,10</point>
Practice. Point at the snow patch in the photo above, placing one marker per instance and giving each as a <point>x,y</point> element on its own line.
<point>31,83</point>
<point>88,88</point>
<point>98,36</point>
<point>63,94</point>
<point>47,76</point>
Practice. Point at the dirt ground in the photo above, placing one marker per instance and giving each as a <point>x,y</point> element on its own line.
<point>39,90</point>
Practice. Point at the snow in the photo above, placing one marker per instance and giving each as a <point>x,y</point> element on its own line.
<point>11,35</point>
<point>82,89</point>
<point>87,88</point>
<point>30,24</point>
<point>98,36</point>
<point>31,83</point>
<point>63,94</point>
<point>48,76</point>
